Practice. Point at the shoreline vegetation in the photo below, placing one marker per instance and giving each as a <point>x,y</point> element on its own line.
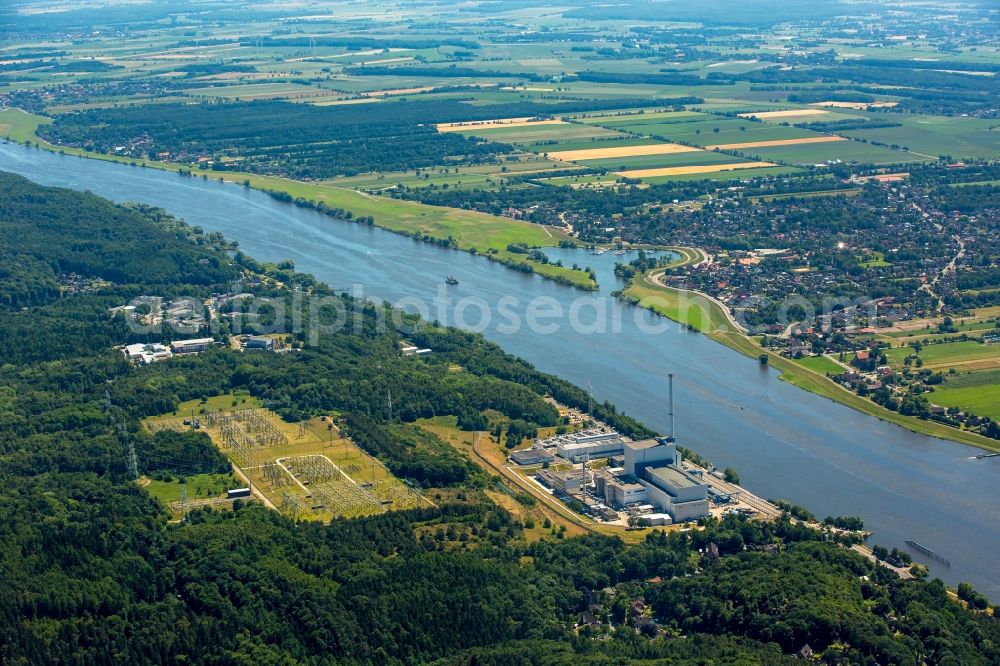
<point>699,312</point>
<point>488,235</point>
<point>467,231</point>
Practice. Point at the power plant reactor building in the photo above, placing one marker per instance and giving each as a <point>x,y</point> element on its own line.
<point>653,474</point>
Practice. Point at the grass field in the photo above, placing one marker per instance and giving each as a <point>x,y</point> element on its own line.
<point>725,176</point>
<point>975,392</point>
<point>198,486</point>
<point>624,119</point>
<point>689,170</point>
<point>936,135</point>
<point>685,307</point>
<point>528,133</point>
<point>257,91</point>
<point>705,129</point>
<point>845,151</point>
<point>479,176</point>
<point>969,355</point>
<point>17,125</point>
<point>820,364</point>
<point>559,145</point>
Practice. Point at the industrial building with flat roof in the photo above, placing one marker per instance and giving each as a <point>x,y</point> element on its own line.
<point>146,352</point>
<point>570,482</point>
<point>263,342</point>
<point>191,346</point>
<point>619,489</point>
<point>656,465</point>
<point>577,447</point>
<point>532,456</point>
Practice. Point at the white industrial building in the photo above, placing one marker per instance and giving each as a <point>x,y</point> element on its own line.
<point>578,447</point>
<point>191,346</point>
<point>619,489</point>
<point>568,482</point>
<point>533,456</point>
<point>146,352</point>
<point>656,465</point>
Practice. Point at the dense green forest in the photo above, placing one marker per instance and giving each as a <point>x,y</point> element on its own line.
<point>94,573</point>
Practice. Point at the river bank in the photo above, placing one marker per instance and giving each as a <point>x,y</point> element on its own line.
<point>468,231</point>
<point>707,315</point>
<point>786,443</point>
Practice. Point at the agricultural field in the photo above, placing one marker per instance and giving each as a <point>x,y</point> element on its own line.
<point>839,151</point>
<point>969,355</point>
<point>488,176</point>
<point>974,392</point>
<point>706,130</point>
<point>740,175</point>
<point>959,138</point>
<point>308,470</point>
<point>694,157</point>
<point>529,132</point>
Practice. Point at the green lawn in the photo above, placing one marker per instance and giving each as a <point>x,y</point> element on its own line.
<point>199,486</point>
<point>685,307</point>
<point>18,125</point>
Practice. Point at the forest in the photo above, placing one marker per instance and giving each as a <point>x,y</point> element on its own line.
<point>94,572</point>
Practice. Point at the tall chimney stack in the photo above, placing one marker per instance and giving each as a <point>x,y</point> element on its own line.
<point>670,403</point>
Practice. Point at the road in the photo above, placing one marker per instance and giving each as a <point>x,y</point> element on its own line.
<point>657,280</point>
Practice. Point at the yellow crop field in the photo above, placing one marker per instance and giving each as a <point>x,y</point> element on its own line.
<point>685,170</point>
<point>791,113</point>
<point>500,122</point>
<point>620,151</point>
<point>776,142</point>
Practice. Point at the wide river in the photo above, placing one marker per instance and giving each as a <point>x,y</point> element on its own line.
<point>785,442</point>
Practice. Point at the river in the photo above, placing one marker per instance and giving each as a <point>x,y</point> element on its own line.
<point>784,441</point>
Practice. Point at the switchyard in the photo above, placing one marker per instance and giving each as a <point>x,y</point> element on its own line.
<point>308,470</point>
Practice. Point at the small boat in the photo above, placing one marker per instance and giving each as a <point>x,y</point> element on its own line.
<point>451,280</point>
<point>599,250</point>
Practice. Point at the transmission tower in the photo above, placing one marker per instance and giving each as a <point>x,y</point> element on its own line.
<point>131,461</point>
